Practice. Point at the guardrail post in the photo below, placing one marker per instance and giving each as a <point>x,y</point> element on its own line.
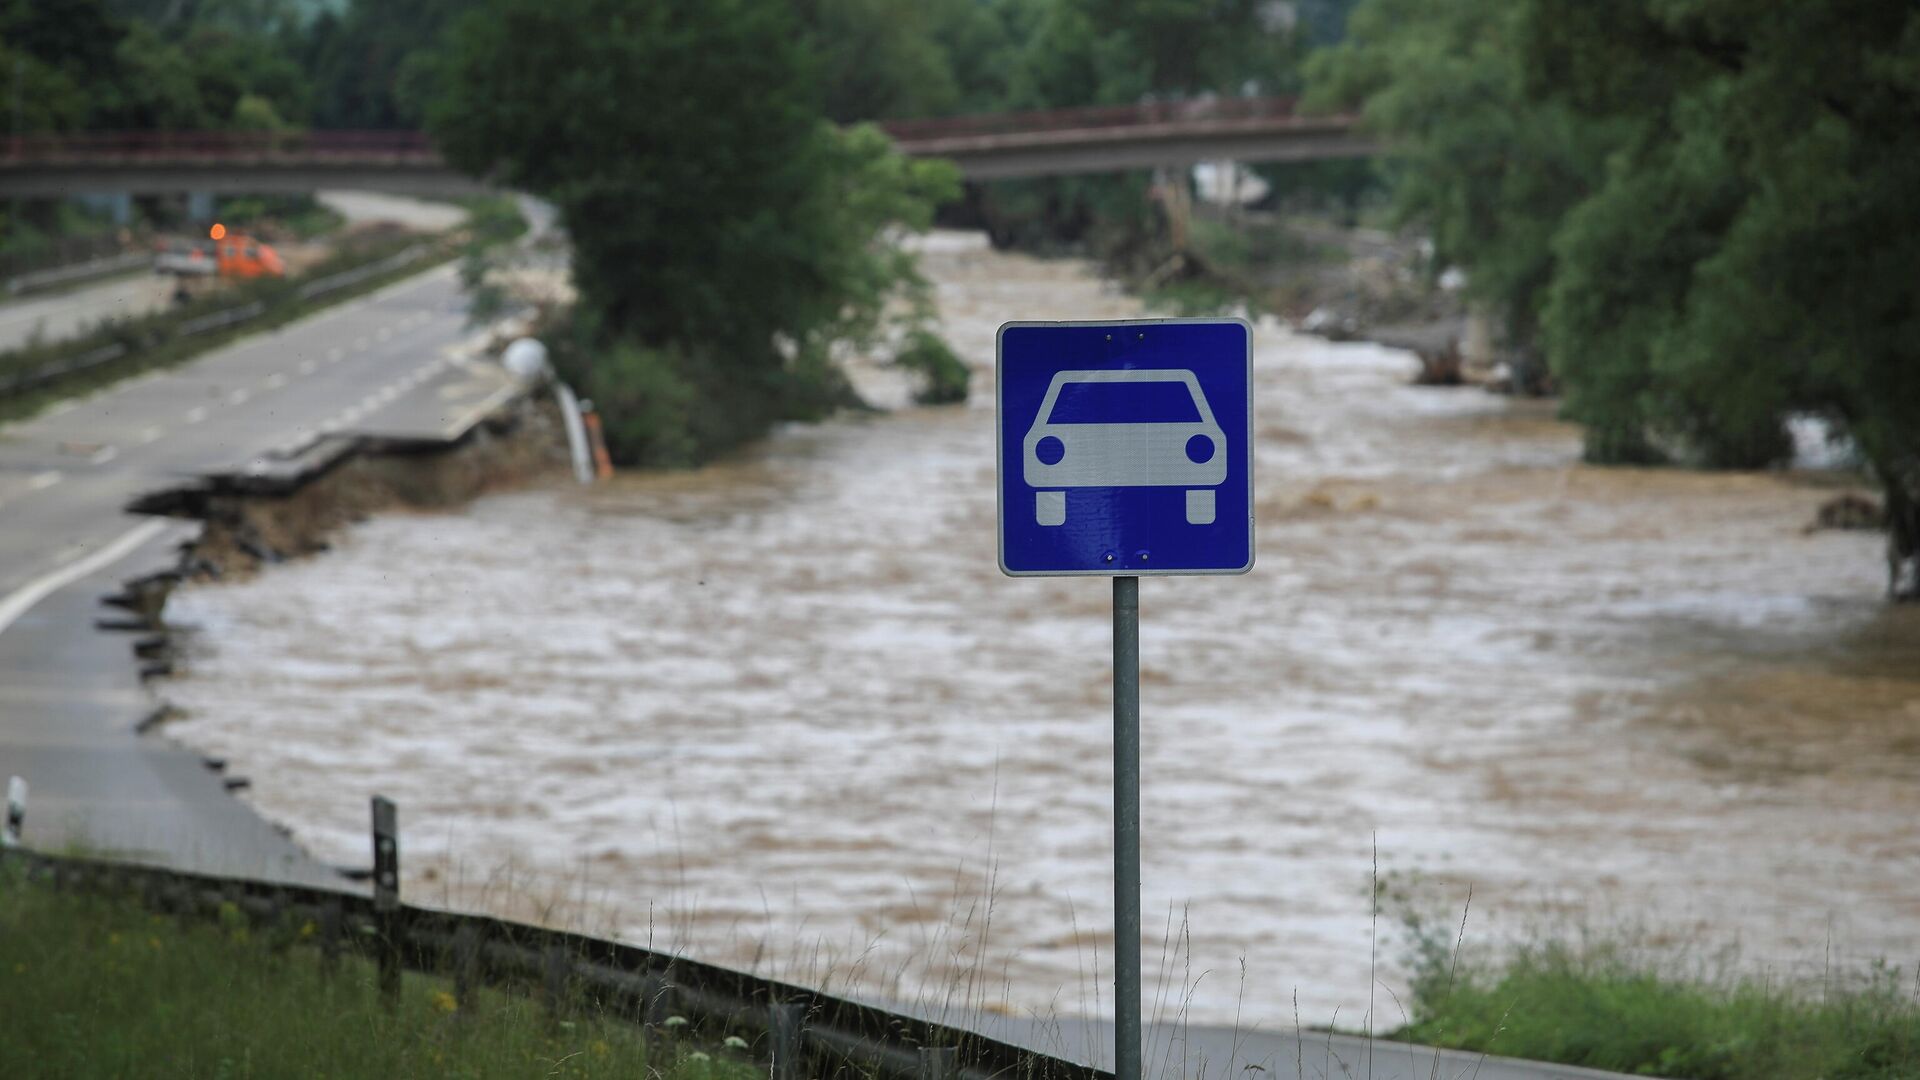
<point>557,971</point>
<point>16,813</point>
<point>786,1025</point>
<point>331,917</point>
<point>386,893</point>
<point>939,1063</point>
<point>466,965</point>
<point>655,1003</point>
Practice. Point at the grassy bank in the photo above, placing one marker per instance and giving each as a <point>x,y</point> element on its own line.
<point>1603,1007</point>
<point>98,987</point>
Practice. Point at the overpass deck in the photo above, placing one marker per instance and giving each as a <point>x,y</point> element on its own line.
<point>985,147</point>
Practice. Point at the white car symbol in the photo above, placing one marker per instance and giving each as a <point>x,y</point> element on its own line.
<point>1124,429</point>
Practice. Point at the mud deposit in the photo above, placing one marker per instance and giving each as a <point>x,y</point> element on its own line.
<point>785,712</point>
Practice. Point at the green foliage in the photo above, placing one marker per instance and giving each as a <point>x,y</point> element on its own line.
<point>301,215</point>
<point>1701,211</point>
<point>1488,175</point>
<point>725,237</point>
<point>1599,1006</point>
<point>97,987</point>
<point>943,375</point>
<point>82,65</point>
<point>370,64</point>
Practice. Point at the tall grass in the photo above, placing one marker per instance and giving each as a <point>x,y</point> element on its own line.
<point>94,986</point>
<point>1604,1005</point>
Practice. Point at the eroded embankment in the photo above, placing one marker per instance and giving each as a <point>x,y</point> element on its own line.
<point>248,525</point>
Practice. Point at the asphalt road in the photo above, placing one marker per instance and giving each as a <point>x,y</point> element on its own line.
<point>384,365</point>
<point>70,312</point>
<point>1175,1051</point>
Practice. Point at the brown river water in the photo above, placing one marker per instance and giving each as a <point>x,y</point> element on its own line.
<point>784,712</point>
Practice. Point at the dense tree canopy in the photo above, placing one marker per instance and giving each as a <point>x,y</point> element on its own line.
<point>1703,210</point>
<point>724,233</point>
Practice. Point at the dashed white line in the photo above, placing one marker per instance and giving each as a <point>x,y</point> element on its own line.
<point>239,397</point>
<point>196,414</point>
<point>42,480</point>
<point>150,434</point>
<point>334,355</point>
<point>104,455</point>
<point>308,367</point>
<point>275,381</point>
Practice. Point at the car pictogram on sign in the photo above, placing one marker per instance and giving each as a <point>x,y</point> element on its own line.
<point>1126,428</point>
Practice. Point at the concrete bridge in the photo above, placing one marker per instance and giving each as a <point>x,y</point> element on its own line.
<point>989,147</point>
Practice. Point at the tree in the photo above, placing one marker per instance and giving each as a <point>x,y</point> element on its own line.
<point>369,63</point>
<point>1754,249</point>
<point>724,235</point>
<point>1490,174</point>
<point>1701,210</point>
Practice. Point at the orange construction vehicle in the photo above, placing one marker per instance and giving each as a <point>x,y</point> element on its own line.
<point>241,256</point>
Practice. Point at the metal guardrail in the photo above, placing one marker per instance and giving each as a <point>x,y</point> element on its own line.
<point>136,145</point>
<point>801,1032</point>
<point>61,275</point>
<point>1144,114</point>
<point>413,147</point>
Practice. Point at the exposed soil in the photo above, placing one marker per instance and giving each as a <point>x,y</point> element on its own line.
<point>245,530</point>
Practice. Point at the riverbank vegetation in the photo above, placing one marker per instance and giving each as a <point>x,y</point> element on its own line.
<point>727,239</point>
<point>1598,1005</point>
<point>1697,217</point>
<point>98,987</point>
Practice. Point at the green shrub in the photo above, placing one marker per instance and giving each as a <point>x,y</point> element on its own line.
<point>943,376</point>
<point>1600,1006</point>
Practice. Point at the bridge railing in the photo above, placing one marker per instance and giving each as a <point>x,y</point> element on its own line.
<point>216,145</point>
<point>1144,114</point>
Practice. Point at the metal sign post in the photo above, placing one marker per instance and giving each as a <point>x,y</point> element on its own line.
<point>1126,828</point>
<point>1126,449</point>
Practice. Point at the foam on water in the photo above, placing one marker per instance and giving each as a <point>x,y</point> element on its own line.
<point>784,712</point>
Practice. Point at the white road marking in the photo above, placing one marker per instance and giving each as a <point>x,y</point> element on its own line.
<point>308,367</point>
<point>104,455</point>
<point>43,480</point>
<point>196,414</point>
<point>239,397</point>
<point>62,406</point>
<point>334,355</point>
<point>275,381</point>
<point>21,600</point>
<point>151,434</point>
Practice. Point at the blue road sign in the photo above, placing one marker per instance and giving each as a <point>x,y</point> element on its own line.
<point>1126,447</point>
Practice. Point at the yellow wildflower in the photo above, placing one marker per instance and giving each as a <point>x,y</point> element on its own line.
<point>444,1001</point>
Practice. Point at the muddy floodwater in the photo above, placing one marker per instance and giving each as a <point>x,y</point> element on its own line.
<point>785,712</point>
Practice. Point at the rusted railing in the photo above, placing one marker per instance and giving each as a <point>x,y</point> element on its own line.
<point>1145,114</point>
